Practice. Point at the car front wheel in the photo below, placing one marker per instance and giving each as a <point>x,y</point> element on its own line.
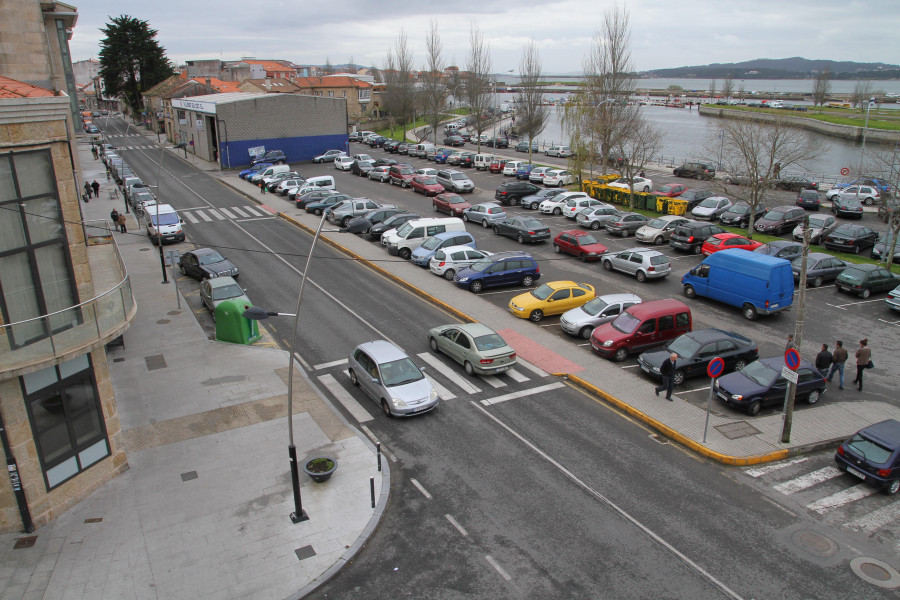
<point>690,292</point>
<point>620,355</point>
<point>476,286</point>
<point>678,377</point>
<point>536,315</point>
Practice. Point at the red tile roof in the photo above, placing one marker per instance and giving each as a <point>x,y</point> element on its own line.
<point>330,82</point>
<point>11,88</point>
<point>269,65</point>
<point>219,85</point>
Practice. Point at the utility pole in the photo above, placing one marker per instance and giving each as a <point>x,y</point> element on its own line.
<point>798,333</point>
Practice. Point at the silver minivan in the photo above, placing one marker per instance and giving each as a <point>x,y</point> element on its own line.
<point>389,377</point>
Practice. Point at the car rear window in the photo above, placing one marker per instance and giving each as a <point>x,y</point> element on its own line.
<point>871,451</point>
<point>659,259</point>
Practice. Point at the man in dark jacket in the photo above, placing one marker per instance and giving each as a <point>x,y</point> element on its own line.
<point>838,358</point>
<point>823,359</point>
<point>667,370</point>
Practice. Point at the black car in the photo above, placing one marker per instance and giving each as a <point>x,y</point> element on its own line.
<point>403,147</point>
<point>626,223</point>
<point>808,199</point>
<point>850,238</point>
<point>786,249</point>
<point>739,215</point>
<point>454,140</point>
<point>693,197</point>
<point>862,280</point>
<point>467,159</point>
<point>386,162</point>
<point>512,191</point>
<point>397,220</point>
<point>204,263</point>
<point>523,229</point>
<point>497,143</point>
<point>883,246</point>
<point>376,141</point>
<point>276,157</point>
<point>820,267</point>
<point>795,183</point>
<point>317,196</point>
<point>873,455</point>
<point>780,219</point>
<point>695,170</point>
<point>362,167</point>
<point>377,216</point>
<point>523,147</point>
<point>391,146</point>
<point>761,384</point>
<point>848,208</point>
<point>695,351</point>
<point>690,236</point>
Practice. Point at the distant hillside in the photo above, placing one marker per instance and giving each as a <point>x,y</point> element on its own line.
<point>781,68</point>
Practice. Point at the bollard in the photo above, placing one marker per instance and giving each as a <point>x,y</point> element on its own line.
<point>372,490</point>
<point>378,453</point>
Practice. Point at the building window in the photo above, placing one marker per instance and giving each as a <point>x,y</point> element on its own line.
<point>34,260</point>
<point>363,94</point>
<point>66,419</point>
<point>344,93</point>
<point>331,93</point>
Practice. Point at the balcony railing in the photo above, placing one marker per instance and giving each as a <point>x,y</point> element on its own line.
<point>38,342</point>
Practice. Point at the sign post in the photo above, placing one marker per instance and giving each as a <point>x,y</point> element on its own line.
<point>715,368</point>
<point>791,362</point>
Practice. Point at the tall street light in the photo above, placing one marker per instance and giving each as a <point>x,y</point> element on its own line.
<point>862,151</point>
<point>257,314</point>
<point>162,154</point>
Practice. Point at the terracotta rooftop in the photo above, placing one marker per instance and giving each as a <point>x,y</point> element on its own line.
<point>11,88</point>
<point>269,65</point>
<point>330,82</point>
<point>219,85</point>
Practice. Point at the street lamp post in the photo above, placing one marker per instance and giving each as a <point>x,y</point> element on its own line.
<point>162,154</point>
<point>862,151</point>
<point>257,313</point>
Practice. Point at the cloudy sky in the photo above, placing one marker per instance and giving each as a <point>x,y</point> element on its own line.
<point>664,33</point>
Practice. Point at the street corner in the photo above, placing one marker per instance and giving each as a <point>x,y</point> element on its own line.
<point>539,355</point>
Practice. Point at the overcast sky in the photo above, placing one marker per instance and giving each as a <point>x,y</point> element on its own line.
<point>664,33</point>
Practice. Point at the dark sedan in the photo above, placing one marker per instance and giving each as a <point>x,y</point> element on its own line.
<point>785,249</point>
<point>626,223</point>
<point>512,191</point>
<point>850,238</point>
<point>739,215</point>
<point>317,196</point>
<point>884,245</point>
<point>862,280</point>
<point>848,208</point>
<point>391,146</point>
<point>795,183</point>
<point>467,159</point>
<point>523,229</point>
<point>696,349</point>
<point>497,143</point>
<point>820,267</point>
<point>454,140</point>
<point>523,147</point>
<point>317,208</point>
<point>780,219</point>
<point>394,222</point>
<point>377,216</point>
<point>205,263</point>
<point>385,162</point>
<point>808,199</point>
<point>362,167</point>
<point>761,384</point>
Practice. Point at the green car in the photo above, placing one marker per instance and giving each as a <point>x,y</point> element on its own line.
<point>475,346</point>
<point>862,280</point>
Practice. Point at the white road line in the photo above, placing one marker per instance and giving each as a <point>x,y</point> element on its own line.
<point>890,322</point>
<point>443,392</point>
<point>522,394</point>
<point>328,365</point>
<point>857,492</point>
<point>631,366</point>
<point>876,518</point>
<point>190,217</point>
<point>449,373</point>
<point>537,371</point>
<point>352,406</point>
<point>458,527</point>
<point>203,215</point>
<point>516,376</point>
<point>254,219</point>
<point>421,489</point>
<point>240,212</point>
<point>808,480</point>
<point>693,390</point>
<point>254,212</point>
<point>493,381</point>
<point>216,214</point>
<point>499,569</point>
<point>225,212</point>
<point>760,471</point>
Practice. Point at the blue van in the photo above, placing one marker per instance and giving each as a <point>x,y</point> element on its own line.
<point>756,283</point>
<point>422,255</point>
<point>503,268</point>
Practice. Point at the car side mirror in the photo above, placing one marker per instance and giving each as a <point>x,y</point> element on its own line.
<point>422,369</point>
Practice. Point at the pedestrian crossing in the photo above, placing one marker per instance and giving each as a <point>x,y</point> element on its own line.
<point>830,493</point>
<point>207,214</point>
<point>448,379</point>
<point>120,148</point>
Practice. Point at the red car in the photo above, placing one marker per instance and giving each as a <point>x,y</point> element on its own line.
<point>671,190</point>
<point>725,241</point>
<point>497,165</point>
<point>426,184</point>
<point>579,243</point>
<point>452,204</point>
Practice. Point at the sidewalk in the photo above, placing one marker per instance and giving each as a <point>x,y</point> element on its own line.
<point>203,510</point>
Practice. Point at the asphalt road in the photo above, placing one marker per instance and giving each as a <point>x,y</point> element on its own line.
<point>546,494</point>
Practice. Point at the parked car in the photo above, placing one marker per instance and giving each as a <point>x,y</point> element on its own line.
<point>691,235</point>
<point>390,378</point>
<point>386,162</point>
<point>696,350</point>
<point>626,223</point>
<point>328,156</point>
<point>883,187</point>
<point>403,147</point>
<point>275,157</point>
<point>559,151</point>
<point>779,220</point>
<point>711,208</point>
<point>510,192</point>
<point>868,195</point>
<point>893,299</point>
<point>374,217</point>
<point>510,168</point>
<point>559,178</point>
<point>533,201</point>
<point>883,246</point>
<point>401,174</point>
<point>795,183</point>
<point>523,146</point>
<point>671,190</point>
<point>486,213</point>
<point>341,214</point>
<point>524,171</point>
<point>595,217</point>
<point>522,229</point>
<point>641,184</point>
<point>581,321</point>
<point>452,204</point>
<point>848,208</point>
<point>206,263</point>
<point>579,243</point>
<point>694,196</point>
<point>761,384</point>
<point>537,174</point>
<point>391,146</point>
<point>850,238</point>
<point>695,170</point>
<point>498,142</point>
<point>214,291</point>
<point>554,205</point>
<point>808,199</point>
<point>739,178</point>
<point>455,181</point>
<point>467,159</point>
<point>727,241</point>
<point>659,230</point>
<point>497,165</point>
<point>575,204</point>
<point>446,239</point>
<point>819,226</point>
<point>551,298</point>
<point>393,222</point>
<point>478,348</point>
<point>447,261</point>
<point>426,185</point>
<point>454,140</point>
<point>642,263</point>
<point>820,268</point>
<point>343,163</point>
<point>640,327</point>
<point>501,269</point>
<point>362,167</point>
<point>739,215</point>
<point>381,174</point>
<point>320,206</point>
<point>872,454</point>
<point>786,249</point>
<point>865,279</point>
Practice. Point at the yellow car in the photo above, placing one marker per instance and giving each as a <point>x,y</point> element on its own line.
<point>552,298</point>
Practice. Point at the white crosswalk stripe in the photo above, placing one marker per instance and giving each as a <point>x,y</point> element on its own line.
<point>190,217</point>
<point>216,214</point>
<point>225,212</point>
<point>239,212</point>
<point>877,518</point>
<point>516,376</point>
<point>255,212</point>
<point>857,492</point>
<point>759,471</point>
<point>537,371</point>
<point>807,481</point>
<point>203,215</point>
<point>522,394</point>
<point>353,407</point>
<point>494,382</point>
<point>449,373</point>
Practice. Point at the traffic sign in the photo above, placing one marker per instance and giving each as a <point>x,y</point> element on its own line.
<point>716,366</point>
<point>845,171</point>
<point>792,359</point>
<point>789,375</point>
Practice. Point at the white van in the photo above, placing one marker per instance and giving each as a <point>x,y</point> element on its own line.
<point>483,161</point>
<point>413,234</point>
<point>322,182</point>
<point>421,150</point>
<point>164,224</point>
<point>268,172</point>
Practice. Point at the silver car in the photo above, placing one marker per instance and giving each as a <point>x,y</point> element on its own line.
<point>711,208</point>
<point>389,377</point>
<point>218,289</point>
<point>819,227</point>
<point>486,213</point>
<point>596,217</point>
<point>643,263</point>
<point>583,320</point>
<point>477,347</point>
<point>659,230</point>
<point>447,261</point>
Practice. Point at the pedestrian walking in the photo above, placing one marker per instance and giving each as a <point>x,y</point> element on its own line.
<point>863,360</point>
<point>823,359</point>
<point>114,217</point>
<point>94,152</point>
<point>107,173</point>
<point>667,370</point>
<point>790,343</point>
<point>88,190</point>
<point>121,221</point>
<point>838,358</point>
<point>262,188</point>
<point>96,188</point>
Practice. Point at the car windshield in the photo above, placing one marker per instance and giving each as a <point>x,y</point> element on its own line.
<point>816,221</point>
<point>458,176</point>
<point>853,274</point>
<point>403,231</point>
<point>587,240</point>
<point>490,341</point>
<point>164,219</point>
<point>542,292</point>
<point>657,224</point>
<point>595,306</point>
<point>761,373</point>
<point>400,372</point>
<point>684,346</point>
<point>709,203</point>
<point>775,215</point>
<point>211,258</point>
<point>454,200</point>
<point>428,181</point>
<point>740,209</point>
<point>875,453</point>
<point>626,323</point>
<point>432,243</point>
<point>406,171</point>
<point>232,290</point>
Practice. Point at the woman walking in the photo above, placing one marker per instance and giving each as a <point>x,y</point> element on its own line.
<point>863,356</point>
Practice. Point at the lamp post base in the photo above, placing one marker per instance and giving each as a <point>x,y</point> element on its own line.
<point>295,518</point>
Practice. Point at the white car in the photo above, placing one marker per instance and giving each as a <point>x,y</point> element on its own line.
<point>447,261</point>
<point>509,169</point>
<point>641,184</point>
<point>711,208</point>
<point>343,163</point>
<point>427,172</point>
<point>329,156</point>
<point>537,174</point>
<point>575,205</point>
<point>559,178</point>
<point>866,194</point>
<point>555,205</point>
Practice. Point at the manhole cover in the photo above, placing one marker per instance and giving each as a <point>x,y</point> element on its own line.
<point>25,542</point>
<point>144,249</point>
<point>814,543</point>
<point>163,322</point>
<point>876,572</point>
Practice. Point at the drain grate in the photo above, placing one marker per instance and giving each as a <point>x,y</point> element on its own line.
<point>658,438</point>
<point>25,542</point>
<point>738,429</point>
<point>118,360</point>
<point>305,552</point>
<point>189,475</point>
<point>94,520</point>
<point>157,361</point>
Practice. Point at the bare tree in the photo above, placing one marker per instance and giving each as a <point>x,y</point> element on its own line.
<point>455,83</point>
<point>399,90</point>
<point>712,88</point>
<point>328,69</point>
<point>759,152</point>
<point>530,110</point>
<point>862,91</point>
<point>434,92</point>
<point>640,143</point>
<point>376,74</point>
<point>885,164</point>
<point>478,83</point>
<point>728,86</point>
<point>821,87</point>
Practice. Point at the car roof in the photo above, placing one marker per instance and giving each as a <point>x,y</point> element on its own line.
<point>220,281</point>
<point>710,335</point>
<point>475,329</point>
<point>203,251</point>
<point>382,351</point>
<point>622,297</point>
<point>886,433</point>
